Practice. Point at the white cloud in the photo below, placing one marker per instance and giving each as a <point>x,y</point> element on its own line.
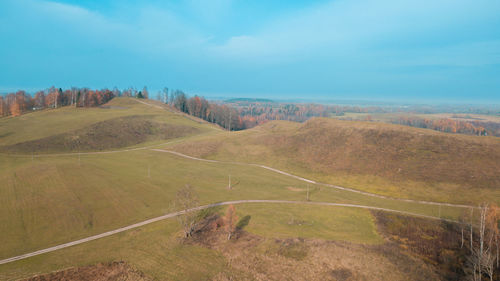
<point>342,28</point>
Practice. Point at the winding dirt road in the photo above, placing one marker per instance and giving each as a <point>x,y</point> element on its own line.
<point>174,214</point>
<point>315,182</point>
<point>170,215</point>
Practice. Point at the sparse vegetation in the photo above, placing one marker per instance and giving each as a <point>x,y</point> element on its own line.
<point>230,221</point>
<point>186,199</point>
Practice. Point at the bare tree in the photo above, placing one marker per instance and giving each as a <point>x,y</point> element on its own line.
<point>493,225</point>
<point>186,199</point>
<point>482,258</point>
<point>165,95</point>
<point>230,220</point>
<point>488,263</point>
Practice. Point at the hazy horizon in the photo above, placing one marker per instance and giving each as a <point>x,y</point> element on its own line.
<point>394,51</point>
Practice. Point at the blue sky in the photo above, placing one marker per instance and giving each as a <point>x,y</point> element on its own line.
<point>441,50</point>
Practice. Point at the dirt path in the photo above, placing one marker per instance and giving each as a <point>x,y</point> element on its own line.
<point>174,214</point>
<point>318,183</point>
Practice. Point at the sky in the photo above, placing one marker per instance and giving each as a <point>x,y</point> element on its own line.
<point>439,50</point>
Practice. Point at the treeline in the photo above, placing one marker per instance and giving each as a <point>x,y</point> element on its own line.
<point>446,125</point>
<point>258,113</point>
<point>223,115</point>
<point>22,102</point>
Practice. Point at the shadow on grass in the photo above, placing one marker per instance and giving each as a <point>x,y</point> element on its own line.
<point>205,213</point>
<point>244,221</point>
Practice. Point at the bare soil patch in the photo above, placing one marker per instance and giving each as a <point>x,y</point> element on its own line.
<point>296,189</point>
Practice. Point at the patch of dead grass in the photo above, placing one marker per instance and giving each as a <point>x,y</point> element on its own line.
<point>258,258</point>
<point>113,271</point>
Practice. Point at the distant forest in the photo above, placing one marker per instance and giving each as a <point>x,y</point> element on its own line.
<point>255,113</point>
<point>21,102</point>
<point>244,113</point>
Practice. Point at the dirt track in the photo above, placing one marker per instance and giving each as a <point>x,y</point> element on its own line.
<point>174,214</point>
<point>314,182</point>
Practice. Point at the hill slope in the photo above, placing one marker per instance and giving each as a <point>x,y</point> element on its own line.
<point>46,201</point>
<point>384,158</point>
<point>121,122</point>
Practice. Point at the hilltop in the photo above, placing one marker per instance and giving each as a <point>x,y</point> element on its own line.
<point>122,122</point>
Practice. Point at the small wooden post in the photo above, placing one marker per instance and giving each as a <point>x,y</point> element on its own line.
<point>462,245</point>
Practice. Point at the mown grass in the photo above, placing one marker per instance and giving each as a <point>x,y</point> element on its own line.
<point>323,222</point>
<point>154,250</point>
<point>158,250</point>
<point>52,200</point>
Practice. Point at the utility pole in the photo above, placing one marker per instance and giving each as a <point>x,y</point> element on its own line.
<point>229,185</point>
<point>461,246</point>
<point>79,162</point>
<point>230,120</point>
<point>307,196</point>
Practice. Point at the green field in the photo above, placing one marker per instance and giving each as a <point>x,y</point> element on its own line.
<point>52,200</point>
<point>156,251</point>
<point>48,200</point>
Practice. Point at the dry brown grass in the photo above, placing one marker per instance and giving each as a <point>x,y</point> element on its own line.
<point>114,271</point>
<point>396,152</point>
<point>252,257</point>
<point>109,134</point>
<point>389,159</point>
<point>436,242</point>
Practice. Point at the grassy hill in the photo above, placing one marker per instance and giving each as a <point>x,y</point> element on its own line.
<point>49,200</point>
<point>120,123</point>
<point>382,158</point>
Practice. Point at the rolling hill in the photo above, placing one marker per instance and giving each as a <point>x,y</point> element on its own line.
<point>122,122</point>
<point>387,159</point>
<point>55,196</point>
